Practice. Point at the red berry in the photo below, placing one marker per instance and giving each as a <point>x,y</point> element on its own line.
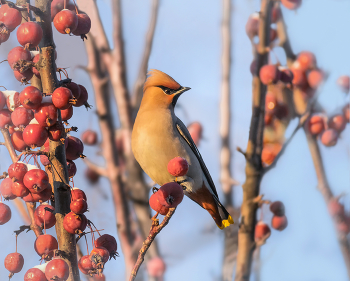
<point>269,74</point>
<point>262,230</point>
<point>36,180</point>
<point>34,274</point>
<point>17,171</point>
<point>39,197</point>
<point>46,114</point>
<point>58,5</point>
<point>78,206</point>
<point>269,152</point>
<point>82,100</point>
<point>45,244</point>
<point>74,223</point>
<point>4,36</point>
<point>84,25</point>
<point>316,124</point>
<point>156,206</point>
<point>43,158</point>
<point>19,189</point>
<point>107,241</point>
<point>34,69</point>
<point>291,4</point>
<point>252,25</point>
<point>72,168</point>
<point>277,208</point>
<point>89,137</point>
<point>315,78</point>
<point>196,131</point>
<point>99,254</point>
<point>67,114</point>
<point>75,148</point>
<point>170,194</point>
<point>329,137</point>
<point>57,270</point>
<point>65,21</point>
<point>5,213</point>
<point>279,222</point>
<point>31,97</point>
<point>74,88</point>
<point>6,189</point>
<point>41,216</point>
<point>307,60</point>
<point>85,264</point>
<point>35,135</point>
<point>5,118</point>
<point>23,77</point>
<point>344,83</point>
<point>178,166</point>
<point>10,17</point>
<point>299,78</point>
<point>29,34</point>
<point>156,267</point>
<point>17,141</point>
<point>62,97</point>
<point>14,262</point>
<point>16,54</point>
<point>77,194</point>
<point>337,122</point>
<point>21,116</point>
<point>91,175</point>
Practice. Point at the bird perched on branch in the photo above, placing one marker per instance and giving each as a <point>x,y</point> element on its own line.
<point>159,136</point>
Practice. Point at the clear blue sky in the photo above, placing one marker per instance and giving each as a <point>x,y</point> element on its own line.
<point>188,47</point>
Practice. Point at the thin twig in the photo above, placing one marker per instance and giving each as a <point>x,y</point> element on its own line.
<point>155,229</point>
<point>102,171</point>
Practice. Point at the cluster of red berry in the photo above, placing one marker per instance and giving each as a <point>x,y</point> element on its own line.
<point>32,121</point>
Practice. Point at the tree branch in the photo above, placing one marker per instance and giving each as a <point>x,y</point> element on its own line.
<point>155,229</point>
<point>138,87</point>
<point>97,169</point>
<point>254,168</point>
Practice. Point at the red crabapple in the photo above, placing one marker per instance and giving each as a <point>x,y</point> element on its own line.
<point>74,223</point>
<point>170,194</point>
<point>77,193</point>
<point>85,264</point>
<point>41,216</point>
<point>178,166</point>
<point>14,262</point>
<point>337,122</point>
<point>46,114</point>
<point>75,148</point>
<point>329,137</point>
<point>89,137</point>
<point>307,60</point>
<point>196,131</point>
<point>36,180</point>
<point>5,118</point>
<point>29,34</point>
<point>17,141</point>
<point>57,270</point>
<point>34,274</point>
<point>78,206</point>
<point>31,97</point>
<point>84,25</point>
<point>19,189</point>
<point>262,230</point>
<point>82,100</point>
<point>65,21</point>
<point>11,17</point>
<point>34,135</point>
<point>109,242</point>
<point>6,189</point>
<point>277,208</point>
<point>315,78</point>
<point>316,124</point>
<point>61,98</point>
<point>279,222</point>
<point>269,74</point>
<point>156,206</point>
<point>5,213</point>
<point>45,244</point>
<point>156,267</point>
<point>21,116</point>
<point>16,54</point>
<point>17,171</point>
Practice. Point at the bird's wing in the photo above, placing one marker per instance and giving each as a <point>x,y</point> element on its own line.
<point>187,137</point>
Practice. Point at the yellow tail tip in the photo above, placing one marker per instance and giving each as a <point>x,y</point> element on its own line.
<point>226,223</point>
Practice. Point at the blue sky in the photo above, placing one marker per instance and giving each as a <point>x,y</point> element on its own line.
<point>187,46</point>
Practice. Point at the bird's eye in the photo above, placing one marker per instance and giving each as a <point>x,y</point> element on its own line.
<point>167,91</point>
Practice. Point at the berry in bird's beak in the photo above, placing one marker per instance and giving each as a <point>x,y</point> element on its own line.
<point>178,166</point>
<point>170,194</point>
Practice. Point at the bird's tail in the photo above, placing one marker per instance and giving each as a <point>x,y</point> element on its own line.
<point>226,218</point>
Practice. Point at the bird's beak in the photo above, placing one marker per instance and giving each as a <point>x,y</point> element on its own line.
<point>178,93</point>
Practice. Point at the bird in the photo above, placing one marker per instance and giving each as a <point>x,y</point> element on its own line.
<point>158,136</point>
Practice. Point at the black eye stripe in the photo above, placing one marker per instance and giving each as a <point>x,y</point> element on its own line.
<point>167,91</point>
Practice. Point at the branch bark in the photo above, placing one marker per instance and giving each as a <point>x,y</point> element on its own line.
<point>59,179</point>
<point>138,87</point>
<point>254,168</point>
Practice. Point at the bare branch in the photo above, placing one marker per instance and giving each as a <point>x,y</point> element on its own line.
<point>97,169</point>
<point>137,93</point>
<point>254,168</point>
<point>155,229</point>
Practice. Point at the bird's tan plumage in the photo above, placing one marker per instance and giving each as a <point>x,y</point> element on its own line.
<point>159,136</point>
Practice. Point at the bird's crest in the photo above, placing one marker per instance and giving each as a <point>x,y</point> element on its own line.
<point>159,78</point>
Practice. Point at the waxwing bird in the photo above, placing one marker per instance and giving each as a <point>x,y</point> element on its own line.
<point>159,136</point>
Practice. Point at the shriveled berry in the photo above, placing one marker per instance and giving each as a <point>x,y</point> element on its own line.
<point>277,208</point>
